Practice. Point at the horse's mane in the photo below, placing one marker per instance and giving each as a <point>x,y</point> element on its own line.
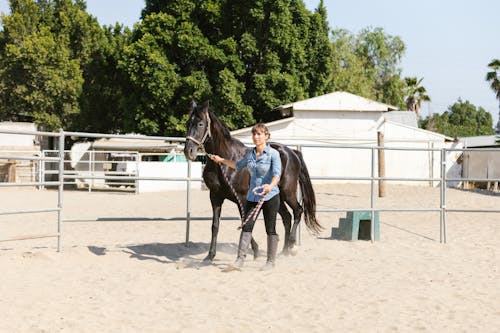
<point>219,125</point>
<point>221,135</point>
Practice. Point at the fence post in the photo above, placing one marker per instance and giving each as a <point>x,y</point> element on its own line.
<point>299,198</point>
<point>41,171</point>
<point>91,172</point>
<point>381,164</point>
<point>443,196</point>
<point>372,198</point>
<point>60,189</point>
<point>188,206</point>
<point>138,159</point>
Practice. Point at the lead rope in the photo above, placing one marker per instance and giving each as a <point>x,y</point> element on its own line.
<point>257,191</point>
<point>240,204</point>
<point>255,212</point>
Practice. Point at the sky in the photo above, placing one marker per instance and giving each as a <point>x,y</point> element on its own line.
<point>449,43</point>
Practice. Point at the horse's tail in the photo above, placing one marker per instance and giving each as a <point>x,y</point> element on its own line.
<point>308,197</point>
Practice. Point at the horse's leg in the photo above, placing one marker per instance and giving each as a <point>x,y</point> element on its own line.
<point>255,248</point>
<point>287,223</point>
<point>216,210</point>
<point>297,214</point>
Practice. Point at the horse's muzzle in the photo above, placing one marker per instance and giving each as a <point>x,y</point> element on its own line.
<point>190,151</point>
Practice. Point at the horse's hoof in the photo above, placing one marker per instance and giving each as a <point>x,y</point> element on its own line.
<point>208,259</point>
<point>293,250</point>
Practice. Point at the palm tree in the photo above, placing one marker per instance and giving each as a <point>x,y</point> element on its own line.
<point>493,78</point>
<point>415,94</point>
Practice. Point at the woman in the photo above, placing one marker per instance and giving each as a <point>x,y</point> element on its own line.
<point>264,165</point>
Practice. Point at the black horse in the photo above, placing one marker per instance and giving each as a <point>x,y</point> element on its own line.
<point>207,132</point>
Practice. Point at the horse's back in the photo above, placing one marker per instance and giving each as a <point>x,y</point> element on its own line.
<point>290,169</point>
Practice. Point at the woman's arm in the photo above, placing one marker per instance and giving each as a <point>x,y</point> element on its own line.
<point>217,159</point>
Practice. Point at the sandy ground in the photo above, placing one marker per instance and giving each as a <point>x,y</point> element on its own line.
<point>124,267</point>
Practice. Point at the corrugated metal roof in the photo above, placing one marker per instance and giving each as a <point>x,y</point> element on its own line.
<point>132,145</point>
<point>481,141</point>
<point>421,130</point>
<point>337,101</point>
<point>276,122</point>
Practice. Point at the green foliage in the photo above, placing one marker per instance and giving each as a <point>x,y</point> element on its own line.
<point>461,119</point>
<point>59,68</point>
<point>38,77</point>
<point>104,102</point>
<point>245,57</point>
<point>493,77</point>
<point>367,64</point>
<point>415,94</point>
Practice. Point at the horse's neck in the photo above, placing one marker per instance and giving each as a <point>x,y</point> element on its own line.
<point>222,145</point>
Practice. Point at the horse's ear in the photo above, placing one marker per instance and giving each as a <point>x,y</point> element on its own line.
<point>205,105</point>
<point>193,106</point>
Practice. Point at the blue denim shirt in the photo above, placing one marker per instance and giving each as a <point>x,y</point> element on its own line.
<point>261,170</point>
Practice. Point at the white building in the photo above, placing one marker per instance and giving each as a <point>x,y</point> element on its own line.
<point>343,119</point>
<point>12,145</point>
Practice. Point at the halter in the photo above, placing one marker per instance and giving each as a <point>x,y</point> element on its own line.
<point>207,134</point>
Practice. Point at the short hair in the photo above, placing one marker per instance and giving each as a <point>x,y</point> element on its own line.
<point>261,127</point>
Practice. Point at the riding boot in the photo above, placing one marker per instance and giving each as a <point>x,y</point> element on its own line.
<point>272,247</point>
<point>245,238</point>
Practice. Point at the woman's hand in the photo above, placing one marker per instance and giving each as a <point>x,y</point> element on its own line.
<point>219,160</point>
<point>266,188</point>
<point>216,158</point>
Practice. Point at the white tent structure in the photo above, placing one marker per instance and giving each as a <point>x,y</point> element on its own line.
<point>343,119</point>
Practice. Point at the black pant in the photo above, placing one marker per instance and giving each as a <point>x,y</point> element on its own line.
<point>269,209</point>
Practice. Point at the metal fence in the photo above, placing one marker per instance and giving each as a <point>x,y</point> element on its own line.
<point>62,176</point>
<point>91,165</point>
<point>442,180</point>
<point>59,183</point>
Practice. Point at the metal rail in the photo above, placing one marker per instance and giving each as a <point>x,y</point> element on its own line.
<point>442,184</point>
<point>62,176</point>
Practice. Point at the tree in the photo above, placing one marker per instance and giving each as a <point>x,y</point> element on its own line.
<point>367,64</point>
<point>39,79</point>
<point>461,119</point>
<point>347,71</point>
<point>381,54</point>
<point>415,94</point>
<point>59,68</point>
<point>245,57</point>
<point>493,78</point>
<point>319,51</point>
<point>105,103</point>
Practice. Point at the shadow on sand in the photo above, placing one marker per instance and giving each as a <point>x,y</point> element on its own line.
<point>169,253</point>
<point>336,237</point>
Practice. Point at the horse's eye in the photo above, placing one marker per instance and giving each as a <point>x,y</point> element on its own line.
<point>200,124</point>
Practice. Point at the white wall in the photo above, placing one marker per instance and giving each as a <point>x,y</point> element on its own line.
<point>321,124</point>
<point>360,129</point>
<point>17,140</point>
<point>170,170</point>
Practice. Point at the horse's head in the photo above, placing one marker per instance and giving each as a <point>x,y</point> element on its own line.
<point>198,130</point>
